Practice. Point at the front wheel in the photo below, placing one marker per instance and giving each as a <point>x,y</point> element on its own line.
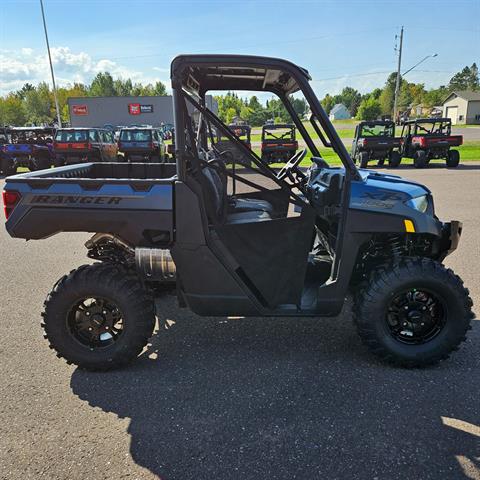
<point>413,313</point>
<point>99,317</point>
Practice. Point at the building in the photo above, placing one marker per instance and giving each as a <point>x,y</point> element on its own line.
<point>124,111</point>
<point>462,107</point>
<point>339,112</point>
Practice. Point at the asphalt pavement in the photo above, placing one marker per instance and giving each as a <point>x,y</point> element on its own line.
<point>218,398</point>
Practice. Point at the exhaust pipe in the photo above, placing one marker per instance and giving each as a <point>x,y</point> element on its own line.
<point>155,264</point>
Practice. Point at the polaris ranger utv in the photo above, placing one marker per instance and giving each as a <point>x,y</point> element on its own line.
<point>293,243</point>
<point>375,140</point>
<point>425,139</point>
<point>278,142</point>
<point>29,147</point>
<point>141,144</point>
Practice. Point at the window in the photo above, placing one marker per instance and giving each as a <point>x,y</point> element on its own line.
<point>93,136</point>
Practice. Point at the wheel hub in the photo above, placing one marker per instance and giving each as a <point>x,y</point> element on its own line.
<point>415,316</point>
<point>95,322</point>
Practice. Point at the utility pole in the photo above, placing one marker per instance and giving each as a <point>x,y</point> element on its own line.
<point>397,84</point>
<point>59,119</point>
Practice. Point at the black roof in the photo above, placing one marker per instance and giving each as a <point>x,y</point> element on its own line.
<point>376,122</point>
<point>427,120</point>
<point>202,73</point>
<point>279,125</point>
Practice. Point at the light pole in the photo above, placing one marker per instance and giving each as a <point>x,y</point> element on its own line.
<point>59,120</point>
<point>433,55</point>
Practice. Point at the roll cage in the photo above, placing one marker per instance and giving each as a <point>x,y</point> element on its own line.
<point>195,75</point>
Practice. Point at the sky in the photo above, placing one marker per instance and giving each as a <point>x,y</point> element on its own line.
<point>344,42</point>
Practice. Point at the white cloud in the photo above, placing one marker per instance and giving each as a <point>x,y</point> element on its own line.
<point>25,65</point>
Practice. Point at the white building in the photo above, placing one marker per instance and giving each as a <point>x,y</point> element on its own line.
<point>462,107</point>
<point>339,112</point>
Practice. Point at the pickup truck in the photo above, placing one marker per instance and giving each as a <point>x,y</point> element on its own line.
<point>425,139</point>
<point>375,140</point>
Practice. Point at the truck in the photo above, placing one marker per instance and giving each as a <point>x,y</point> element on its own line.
<point>425,139</point>
<point>292,242</point>
<point>375,140</point>
<point>27,147</point>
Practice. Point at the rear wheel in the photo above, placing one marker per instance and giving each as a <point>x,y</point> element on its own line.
<point>453,158</point>
<point>413,313</point>
<point>40,163</point>
<point>364,157</point>
<point>420,159</point>
<point>98,317</point>
<point>394,159</point>
<point>7,167</point>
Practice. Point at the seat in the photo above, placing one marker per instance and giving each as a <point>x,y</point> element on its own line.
<point>249,205</point>
<point>220,208</point>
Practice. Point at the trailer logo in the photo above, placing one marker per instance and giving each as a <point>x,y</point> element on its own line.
<point>80,109</point>
<point>73,200</point>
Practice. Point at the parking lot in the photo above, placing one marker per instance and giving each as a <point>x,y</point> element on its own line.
<point>217,398</point>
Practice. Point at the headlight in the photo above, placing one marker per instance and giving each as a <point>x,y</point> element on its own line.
<point>418,203</point>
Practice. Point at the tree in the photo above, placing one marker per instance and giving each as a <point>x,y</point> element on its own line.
<point>466,79</point>
<point>160,89</point>
<point>230,114</point>
<point>369,109</point>
<point>351,98</point>
<point>387,97</point>
<point>39,105</point>
<point>328,102</point>
<point>102,86</point>
<point>12,110</point>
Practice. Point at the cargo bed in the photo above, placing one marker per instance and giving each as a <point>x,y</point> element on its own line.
<point>132,201</point>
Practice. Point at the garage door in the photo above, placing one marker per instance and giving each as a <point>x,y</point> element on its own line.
<point>452,112</point>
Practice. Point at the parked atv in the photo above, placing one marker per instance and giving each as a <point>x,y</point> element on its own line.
<point>81,145</point>
<point>293,243</point>
<point>375,140</point>
<point>28,147</point>
<point>426,139</point>
<point>143,144</point>
<point>278,142</point>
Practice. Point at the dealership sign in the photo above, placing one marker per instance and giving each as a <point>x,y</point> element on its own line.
<point>137,108</point>
<point>80,109</point>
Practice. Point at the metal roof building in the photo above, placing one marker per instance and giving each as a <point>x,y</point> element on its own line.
<point>124,111</point>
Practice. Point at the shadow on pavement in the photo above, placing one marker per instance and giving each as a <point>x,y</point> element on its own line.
<point>288,398</point>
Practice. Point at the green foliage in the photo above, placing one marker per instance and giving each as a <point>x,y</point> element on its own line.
<point>11,110</point>
<point>369,109</point>
<point>39,106</point>
<point>466,79</point>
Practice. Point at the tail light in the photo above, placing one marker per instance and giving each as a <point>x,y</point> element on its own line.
<point>364,142</point>
<point>421,141</point>
<point>81,146</point>
<point>10,200</point>
<point>60,146</point>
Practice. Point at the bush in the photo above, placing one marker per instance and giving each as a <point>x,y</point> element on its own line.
<point>369,109</point>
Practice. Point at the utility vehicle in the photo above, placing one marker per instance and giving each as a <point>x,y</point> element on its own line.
<point>29,147</point>
<point>375,140</point>
<point>243,133</point>
<point>278,142</point>
<point>141,145</point>
<point>81,145</point>
<point>249,242</point>
<point>425,139</point>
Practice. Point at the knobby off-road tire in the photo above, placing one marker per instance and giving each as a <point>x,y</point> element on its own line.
<point>394,159</point>
<point>420,159</point>
<point>375,304</point>
<point>364,157</point>
<point>73,324</point>
<point>453,158</point>
<point>6,167</point>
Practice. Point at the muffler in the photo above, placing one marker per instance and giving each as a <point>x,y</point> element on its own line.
<point>155,264</point>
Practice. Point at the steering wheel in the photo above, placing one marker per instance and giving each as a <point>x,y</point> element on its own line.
<point>292,166</point>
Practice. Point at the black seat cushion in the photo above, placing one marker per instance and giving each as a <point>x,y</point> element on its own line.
<point>249,204</point>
